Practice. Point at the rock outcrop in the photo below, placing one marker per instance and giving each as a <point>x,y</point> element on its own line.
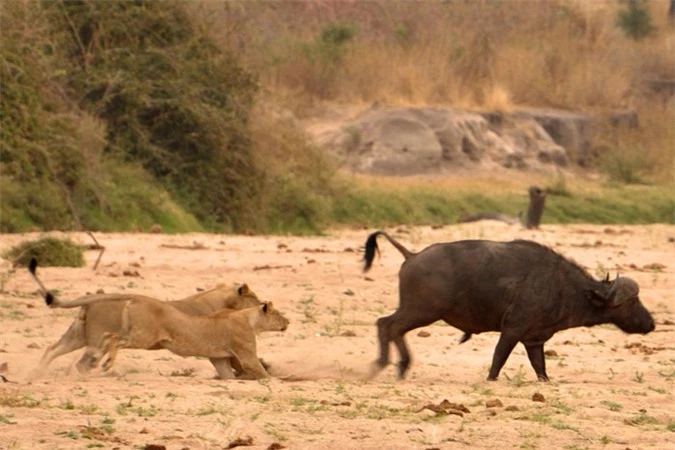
<point>407,141</point>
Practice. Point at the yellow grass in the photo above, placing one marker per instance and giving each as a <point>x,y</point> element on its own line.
<point>496,55</point>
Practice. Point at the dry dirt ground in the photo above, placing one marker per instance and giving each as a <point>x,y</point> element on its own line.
<point>609,390</point>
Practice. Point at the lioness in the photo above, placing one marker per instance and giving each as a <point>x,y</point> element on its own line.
<point>227,338</point>
<point>102,313</point>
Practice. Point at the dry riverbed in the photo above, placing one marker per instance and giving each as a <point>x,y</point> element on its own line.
<point>608,390</point>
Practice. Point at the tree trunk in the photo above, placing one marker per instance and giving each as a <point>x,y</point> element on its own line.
<point>536,208</point>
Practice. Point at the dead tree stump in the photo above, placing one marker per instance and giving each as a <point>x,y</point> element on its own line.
<point>536,208</point>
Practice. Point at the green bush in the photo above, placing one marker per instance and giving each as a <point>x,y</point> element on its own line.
<point>171,99</point>
<point>626,165</point>
<point>49,251</point>
<point>635,20</point>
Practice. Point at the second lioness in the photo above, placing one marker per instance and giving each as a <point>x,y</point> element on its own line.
<point>227,338</point>
<point>102,313</point>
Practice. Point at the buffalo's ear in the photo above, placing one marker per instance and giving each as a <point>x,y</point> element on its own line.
<point>243,289</point>
<point>597,298</point>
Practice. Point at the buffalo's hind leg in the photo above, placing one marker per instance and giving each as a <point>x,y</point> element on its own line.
<point>394,328</point>
<point>404,363</point>
<point>535,353</point>
<point>384,339</point>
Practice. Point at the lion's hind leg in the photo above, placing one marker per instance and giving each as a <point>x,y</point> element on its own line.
<point>223,367</point>
<point>71,340</point>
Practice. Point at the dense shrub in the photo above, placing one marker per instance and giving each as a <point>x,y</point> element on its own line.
<point>170,98</point>
<point>49,251</point>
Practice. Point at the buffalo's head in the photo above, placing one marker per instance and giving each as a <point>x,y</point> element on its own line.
<point>620,301</point>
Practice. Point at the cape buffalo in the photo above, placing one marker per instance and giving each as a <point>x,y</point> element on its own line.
<point>526,291</point>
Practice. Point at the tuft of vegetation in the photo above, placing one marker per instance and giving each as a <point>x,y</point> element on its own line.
<point>49,251</point>
<point>635,20</point>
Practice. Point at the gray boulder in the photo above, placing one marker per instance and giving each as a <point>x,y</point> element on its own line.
<point>407,141</point>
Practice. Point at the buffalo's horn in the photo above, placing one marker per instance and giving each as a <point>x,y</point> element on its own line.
<point>613,289</point>
<point>622,289</point>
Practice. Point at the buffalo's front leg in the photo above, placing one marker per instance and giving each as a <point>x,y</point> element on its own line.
<point>502,351</point>
<point>535,352</point>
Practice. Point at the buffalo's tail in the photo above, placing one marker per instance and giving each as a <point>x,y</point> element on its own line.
<point>371,248</point>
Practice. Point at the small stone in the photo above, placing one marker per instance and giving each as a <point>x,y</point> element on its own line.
<point>275,446</point>
<point>538,397</point>
<point>494,403</point>
<point>424,334</point>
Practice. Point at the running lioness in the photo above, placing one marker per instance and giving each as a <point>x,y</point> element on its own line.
<point>102,313</point>
<point>226,337</point>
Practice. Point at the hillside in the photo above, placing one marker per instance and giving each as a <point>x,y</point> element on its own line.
<point>191,116</point>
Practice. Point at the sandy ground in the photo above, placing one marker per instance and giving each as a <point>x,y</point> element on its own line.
<point>608,389</point>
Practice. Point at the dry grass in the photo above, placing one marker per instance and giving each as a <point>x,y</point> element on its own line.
<point>468,54</point>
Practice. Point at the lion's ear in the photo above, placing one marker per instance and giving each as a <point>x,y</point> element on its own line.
<point>243,289</point>
<point>264,307</point>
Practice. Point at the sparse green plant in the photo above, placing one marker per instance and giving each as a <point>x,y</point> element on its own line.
<point>626,165</point>
<point>68,405</point>
<point>309,309</point>
<point>107,425</point>
<point>559,186</point>
<point>6,418</point>
<point>13,399</point>
<point>187,372</point>
<point>207,411</point>
<point>518,379</point>
<point>640,419</point>
<point>563,426</point>
<point>88,409</point>
<point>659,390</point>
<point>272,430</point>
<point>69,434</point>
<point>539,417</point>
<point>613,406</point>
<point>330,46</point>
<point>635,20</point>
<point>49,251</point>
<point>639,376</point>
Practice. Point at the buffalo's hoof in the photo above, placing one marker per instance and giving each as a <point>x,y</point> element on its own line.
<point>543,378</point>
<point>375,368</point>
<point>491,378</point>
<point>402,369</point>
